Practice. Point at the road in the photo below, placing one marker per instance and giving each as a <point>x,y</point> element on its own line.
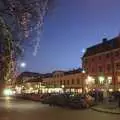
<point>16,109</point>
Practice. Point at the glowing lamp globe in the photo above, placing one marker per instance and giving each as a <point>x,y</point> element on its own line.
<point>23,65</point>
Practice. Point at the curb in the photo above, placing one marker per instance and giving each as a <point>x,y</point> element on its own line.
<point>105,111</point>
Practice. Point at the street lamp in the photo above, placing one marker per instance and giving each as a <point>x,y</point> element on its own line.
<point>83,81</point>
<point>89,80</point>
<point>23,65</point>
<point>83,71</point>
<point>63,87</point>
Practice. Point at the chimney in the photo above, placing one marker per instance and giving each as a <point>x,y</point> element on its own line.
<point>104,40</point>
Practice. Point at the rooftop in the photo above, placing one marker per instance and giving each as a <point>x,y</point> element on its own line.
<point>106,45</point>
<point>29,74</point>
<point>47,75</point>
<point>74,71</point>
<point>34,80</point>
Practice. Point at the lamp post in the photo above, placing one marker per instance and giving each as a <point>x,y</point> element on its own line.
<point>39,87</point>
<point>63,87</point>
<point>83,81</point>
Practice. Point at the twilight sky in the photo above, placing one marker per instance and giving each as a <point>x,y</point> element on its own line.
<point>72,26</point>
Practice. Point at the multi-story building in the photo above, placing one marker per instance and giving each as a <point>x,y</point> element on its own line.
<point>102,64</point>
<point>58,81</point>
<point>28,82</point>
<point>25,76</point>
<point>33,85</point>
<point>70,81</point>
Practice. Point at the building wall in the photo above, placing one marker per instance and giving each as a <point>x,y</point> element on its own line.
<point>69,81</point>
<point>105,64</point>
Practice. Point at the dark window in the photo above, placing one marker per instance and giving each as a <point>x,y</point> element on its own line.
<point>117,53</point>
<point>61,75</point>
<point>99,57</point>
<point>86,61</point>
<point>78,81</point>
<point>108,67</point>
<point>92,69</point>
<point>118,66</point>
<point>72,81</point>
<point>64,82</point>
<point>100,69</point>
<point>86,69</point>
<point>60,82</point>
<point>107,55</point>
<point>67,82</point>
<point>92,59</point>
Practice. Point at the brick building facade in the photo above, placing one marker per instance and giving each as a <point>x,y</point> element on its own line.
<point>102,62</point>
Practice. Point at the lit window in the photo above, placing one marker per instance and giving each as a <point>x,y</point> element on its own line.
<point>101,79</point>
<point>109,80</point>
<point>118,79</point>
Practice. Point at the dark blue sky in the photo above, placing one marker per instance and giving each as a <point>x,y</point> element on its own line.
<point>72,26</point>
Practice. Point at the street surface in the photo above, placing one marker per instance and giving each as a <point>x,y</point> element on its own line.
<point>16,109</point>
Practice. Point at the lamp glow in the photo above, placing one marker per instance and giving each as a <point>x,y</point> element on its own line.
<point>63,86</point>
<point>23,65</point>
<point>83,71</point>
<point>7,92</point>
<point>101,79</point>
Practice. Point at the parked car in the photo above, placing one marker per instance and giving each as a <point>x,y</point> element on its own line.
<point>45,98</point>
<point>77,102</point>
<point>58,100</point>
<point>68,100</point>
<point>62,100</point>
<point>111,98</point>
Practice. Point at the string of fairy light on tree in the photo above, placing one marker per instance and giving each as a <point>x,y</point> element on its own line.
<point>29,17</point>
<point>40,24</point>
<point>26,12</point>
<point>6,45</point>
